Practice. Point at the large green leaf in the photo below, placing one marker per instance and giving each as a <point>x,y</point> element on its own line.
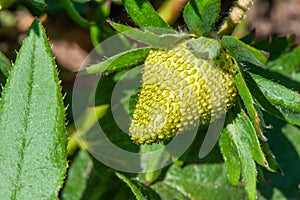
<point>203,181</point>
<point>201,16</point>
<point>143,14</point>
<point>78,175</point>
<point>119,62</point>
<point>33,137</point>
<point>243,52</point>
<point>275,98</point>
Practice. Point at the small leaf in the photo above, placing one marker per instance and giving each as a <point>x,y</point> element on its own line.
<point>275,98</point>
<point>204,48</point>
<point>77,178</point>
<point>242,136</point>
<point>140,191</point>
<point>243,52</point>
<point>33,137</point>
<point>143,14</point>
<point>119,62</point>
<point>155,37</point>
<point>201,16</point>
<point>4,65</point>
<point>249,104</point>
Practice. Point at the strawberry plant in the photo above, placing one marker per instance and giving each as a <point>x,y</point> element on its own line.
<point>156,111</point>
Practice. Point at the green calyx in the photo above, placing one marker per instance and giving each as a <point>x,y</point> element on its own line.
<point>180,91</point>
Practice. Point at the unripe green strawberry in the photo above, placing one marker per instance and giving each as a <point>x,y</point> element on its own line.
<point>180,90</point>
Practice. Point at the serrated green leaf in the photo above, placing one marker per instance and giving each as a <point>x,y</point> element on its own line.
<point>249,138</point>
<point>231,157</point>
<point>249,104</point>
<point>140,191</point>
<point>243,52</point>
<point>143,14</point>
<point>201,16</point>
<point>4,65</point>
<point>33,137</point>
<point>78,175</point>
<point>203,181</point>
<point>275,98</point>
<point>119,62</point>
<point>241,134</point>
<point>204,48</point>
<point>154,37</point>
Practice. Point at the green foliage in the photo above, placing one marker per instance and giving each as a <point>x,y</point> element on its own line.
<point>239,136</point>
<point>258,144</point>
<point>140,190</point>
<point>69,7</point>
<point>78,175</point>
<point>205,181</point>
<point>119,62</point>
<point>33,137</point>
<point>154,37</point>
<point>243,52</point>
<point>143,14</point>
<point>201,16</point>
<point>4,65</point>
<point>275,98</point>
<point>249,104</point>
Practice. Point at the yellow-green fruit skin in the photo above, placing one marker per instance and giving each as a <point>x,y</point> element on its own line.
<point>180,91</point>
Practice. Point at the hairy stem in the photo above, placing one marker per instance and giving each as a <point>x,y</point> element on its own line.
<point>236,14</point>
